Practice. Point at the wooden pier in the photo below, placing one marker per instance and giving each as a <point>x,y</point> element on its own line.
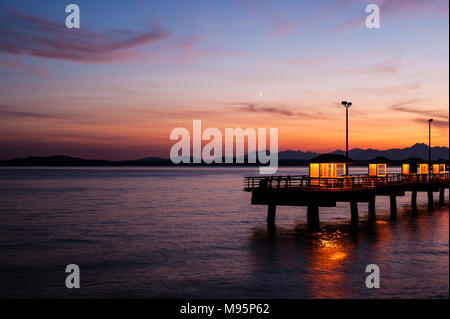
<point>315,192</point>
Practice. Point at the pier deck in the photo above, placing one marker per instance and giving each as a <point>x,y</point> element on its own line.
<point>326,192</point>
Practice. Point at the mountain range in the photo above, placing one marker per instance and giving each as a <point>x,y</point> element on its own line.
<point>417,150</point>
<point>285,158</point>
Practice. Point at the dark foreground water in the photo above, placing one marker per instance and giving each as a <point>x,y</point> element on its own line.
<point>173,232</point>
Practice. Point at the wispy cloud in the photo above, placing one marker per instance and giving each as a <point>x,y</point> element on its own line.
<point>410,5</point>
<point>309,60</point>
<point>399,89</point>
<point>282,26</point>
<point>356,21</point>
<point>190,50</point>
<point>255,108</point>
<point>438,123</point>
<point>21,66</point>
<point>405,107</point>
<point>391,65</point>
<point>9,112</point>
<point>152,84</point>
<point>34,36</point>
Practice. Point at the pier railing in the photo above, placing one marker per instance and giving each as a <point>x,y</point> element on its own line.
<point>344,183</point>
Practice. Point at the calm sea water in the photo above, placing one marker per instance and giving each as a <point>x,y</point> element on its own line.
<point>191,232</point>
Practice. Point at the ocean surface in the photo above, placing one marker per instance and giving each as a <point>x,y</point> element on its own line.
<point>192,233</point>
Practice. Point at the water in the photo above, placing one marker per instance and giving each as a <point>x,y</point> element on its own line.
<point>191,232</point>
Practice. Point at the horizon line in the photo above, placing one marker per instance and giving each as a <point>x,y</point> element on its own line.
<point>163,158</point>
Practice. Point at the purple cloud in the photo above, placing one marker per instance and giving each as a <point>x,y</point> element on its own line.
<point>18,65</point>
<point>29,35</point>
<point>404,107</point>
<point>309,60</point>
<point>388,66</point>
<point>254,108</point>
<point>438,123</point>
<point>152,84</point>
<point>7,111</point>
<point>189,50</point>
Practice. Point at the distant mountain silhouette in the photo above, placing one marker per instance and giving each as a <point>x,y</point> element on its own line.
<point>61,160</point>
<point>296,155</point>
<point>417,150</point>
<point>285,158</point>
<point>151,160</point>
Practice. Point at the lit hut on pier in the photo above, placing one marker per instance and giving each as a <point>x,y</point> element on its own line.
<point>414,165</point>
<point>378,166</point>
<point>439,166</point>
<point>329,166</point>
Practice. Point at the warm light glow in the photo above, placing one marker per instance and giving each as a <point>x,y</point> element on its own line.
<point>377,169</point>
<point>339,255</point>
<point>331,246</point>
<point>405,169</point>
<point>314,170</point>
<point>422,168</point>
<point>327,169</point>
<point>381,170</point>
<point>438,168</point>
<point>372,169</point>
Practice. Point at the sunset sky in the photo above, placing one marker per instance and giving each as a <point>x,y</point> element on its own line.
<point>135,70</point>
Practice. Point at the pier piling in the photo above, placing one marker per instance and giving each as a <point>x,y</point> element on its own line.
<point>441,196</point>
<point>271,210</point>
<point>354,211</point>
<point>393,200</point>
<point>414,201</point>
<point>414,198</point>
<point>372,208</point>
<point>430,200</point>
<point>312,217</point>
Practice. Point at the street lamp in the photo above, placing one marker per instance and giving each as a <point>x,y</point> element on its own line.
<point>429,147</point>
<point>347,105</point>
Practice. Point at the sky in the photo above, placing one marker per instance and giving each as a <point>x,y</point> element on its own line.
<point>135,70</point>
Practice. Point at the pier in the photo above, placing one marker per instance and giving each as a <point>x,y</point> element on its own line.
<point>316,192</point>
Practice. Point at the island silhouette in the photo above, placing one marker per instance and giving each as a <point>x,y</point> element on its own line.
<point>286,158</point>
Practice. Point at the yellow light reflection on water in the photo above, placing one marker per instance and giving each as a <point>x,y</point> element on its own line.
<point>331,250</point>
<point>339,255</point>
<point>330,246</point>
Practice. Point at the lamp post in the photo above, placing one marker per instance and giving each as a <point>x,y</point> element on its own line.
<point>347,105</point>
<point>429,147</point>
